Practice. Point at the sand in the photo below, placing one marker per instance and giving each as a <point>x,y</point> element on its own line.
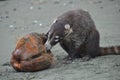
<point>20,17</point>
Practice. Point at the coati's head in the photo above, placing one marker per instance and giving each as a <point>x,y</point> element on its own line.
<point>58,31</point>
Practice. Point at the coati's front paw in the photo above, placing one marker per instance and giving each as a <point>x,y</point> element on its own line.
<point>85,58</point>
<point>68,60</point>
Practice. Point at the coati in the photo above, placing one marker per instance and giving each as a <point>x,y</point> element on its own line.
<point>77,34</point>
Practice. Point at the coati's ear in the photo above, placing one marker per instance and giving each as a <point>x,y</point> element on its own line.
<point>68,29</point>
<point>67,26</point>
<point>54,21</point>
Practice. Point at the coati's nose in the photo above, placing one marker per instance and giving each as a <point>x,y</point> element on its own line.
<point>48,45</point>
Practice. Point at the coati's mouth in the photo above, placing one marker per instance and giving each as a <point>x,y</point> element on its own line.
<point>48,51</point>
<point>48,45</point>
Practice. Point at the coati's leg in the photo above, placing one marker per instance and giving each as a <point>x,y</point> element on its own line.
<point>92,44</point>
<point>69,47</point>
<point>66,46</point>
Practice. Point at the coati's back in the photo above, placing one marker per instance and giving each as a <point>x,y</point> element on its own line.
<point>77,19</point>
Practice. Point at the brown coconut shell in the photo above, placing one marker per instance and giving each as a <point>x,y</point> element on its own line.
<point>30,54</point>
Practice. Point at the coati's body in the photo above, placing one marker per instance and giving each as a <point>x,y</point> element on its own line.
<point>77,35</point>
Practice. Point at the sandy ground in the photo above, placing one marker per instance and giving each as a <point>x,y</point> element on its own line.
<point>20,17</point>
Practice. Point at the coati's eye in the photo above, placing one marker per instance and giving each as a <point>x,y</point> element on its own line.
<point>56,38</point>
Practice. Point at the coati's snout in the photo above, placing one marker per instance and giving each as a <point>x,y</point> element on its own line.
<point>52,40</point>
<point>48,46</point>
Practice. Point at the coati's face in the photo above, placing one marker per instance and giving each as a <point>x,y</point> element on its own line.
<point>56,34</point>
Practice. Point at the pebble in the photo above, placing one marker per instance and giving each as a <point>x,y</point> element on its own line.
<point>35,21</point>
<point>11,26</point>
<point>40,24</point>
<point>31,7</point>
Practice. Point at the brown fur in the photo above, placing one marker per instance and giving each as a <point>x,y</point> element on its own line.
<point>30,54</point>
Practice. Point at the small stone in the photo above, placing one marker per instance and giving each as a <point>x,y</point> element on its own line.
<point>40,24</point>
<point>11,26</point>
<point>31,7</point>
<point>35,21</point>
